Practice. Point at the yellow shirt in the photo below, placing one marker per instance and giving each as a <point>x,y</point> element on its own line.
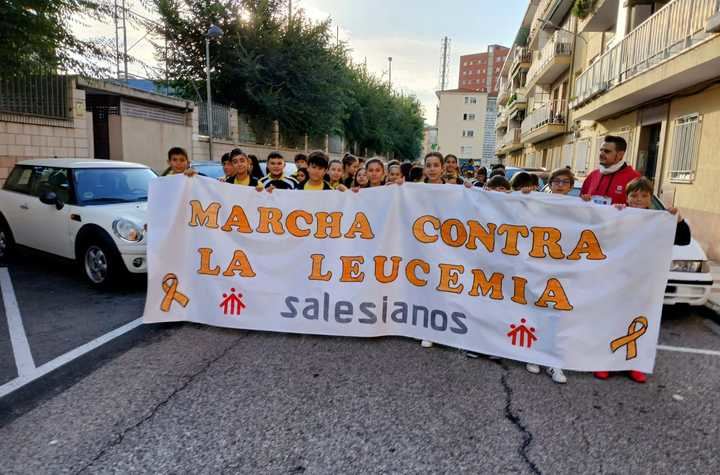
<point>309,186</point>
<point>245,181</point>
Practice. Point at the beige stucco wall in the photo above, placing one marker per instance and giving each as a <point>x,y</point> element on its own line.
<point>699,200</point>
<point>147,141</point>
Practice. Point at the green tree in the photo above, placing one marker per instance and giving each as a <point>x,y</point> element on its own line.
<point>293,72</point>
<point>36,36</point>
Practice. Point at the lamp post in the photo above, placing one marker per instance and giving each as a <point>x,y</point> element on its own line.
<point>213,32</point>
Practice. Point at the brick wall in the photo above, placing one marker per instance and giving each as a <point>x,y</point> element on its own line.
<point>55,139</point>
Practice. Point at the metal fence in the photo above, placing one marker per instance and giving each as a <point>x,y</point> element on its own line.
<point>222,126</point>
<point>44,96</point>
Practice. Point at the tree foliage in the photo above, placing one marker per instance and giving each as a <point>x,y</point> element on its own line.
<point>294,72</point>
<point>36,36</point>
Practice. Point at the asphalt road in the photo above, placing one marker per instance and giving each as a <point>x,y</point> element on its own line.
<point>193,399</point>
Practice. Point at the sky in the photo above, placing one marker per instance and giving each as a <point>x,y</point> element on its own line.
<point>409,31</point>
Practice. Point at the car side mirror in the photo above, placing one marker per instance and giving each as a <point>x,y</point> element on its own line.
<point>51,198</point>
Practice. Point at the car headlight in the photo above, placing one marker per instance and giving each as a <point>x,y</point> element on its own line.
<point>127,230</point>
<point>686,266</point>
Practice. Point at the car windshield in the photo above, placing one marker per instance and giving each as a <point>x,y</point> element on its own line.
<point>212,170</point>
<point>96,186</point>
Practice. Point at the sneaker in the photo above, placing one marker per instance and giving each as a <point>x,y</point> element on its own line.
<point>637,376</point>
<point>601,374</point>
<point>532,368</point>
<point>471,354</point>
<point>557,375</point>
<point>426,344</point>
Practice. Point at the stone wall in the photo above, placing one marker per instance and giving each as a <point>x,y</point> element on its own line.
<point>24,138</point>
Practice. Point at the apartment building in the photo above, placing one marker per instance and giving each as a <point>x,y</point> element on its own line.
<point>462,121</point>
<point>648,71</point>
<point>480,72</point>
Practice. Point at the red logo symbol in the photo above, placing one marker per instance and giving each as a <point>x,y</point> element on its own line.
<point>526,335</point>
<point>232,304</point>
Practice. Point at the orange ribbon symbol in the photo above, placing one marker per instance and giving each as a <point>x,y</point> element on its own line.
<point>169,286</point>
<point>637,328</point>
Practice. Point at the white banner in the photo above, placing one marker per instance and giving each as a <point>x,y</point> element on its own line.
<point>539,278</point>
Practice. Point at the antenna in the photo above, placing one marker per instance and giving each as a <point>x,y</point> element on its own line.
<point>444,62</point>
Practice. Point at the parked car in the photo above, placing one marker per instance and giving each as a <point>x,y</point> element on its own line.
<point>540,172</point>
<point>91,211</point>
<point>690,280</point>
<point>208,168</point>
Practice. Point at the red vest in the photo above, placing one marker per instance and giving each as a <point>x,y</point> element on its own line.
<point>612,185</point>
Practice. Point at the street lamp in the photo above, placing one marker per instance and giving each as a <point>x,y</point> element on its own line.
<point>214,32</point>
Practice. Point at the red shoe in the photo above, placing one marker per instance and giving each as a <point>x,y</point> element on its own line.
<point>601,374</point>
<point>637,376</point>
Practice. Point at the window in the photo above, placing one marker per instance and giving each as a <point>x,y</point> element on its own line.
<point>51,179</point>
<point>685,145</point>
<point>468,133</point>
<point>470,100</point>
<point>466,151</point>
<point>19,180</point>
<point>582,156</point>
<point>468,116</point>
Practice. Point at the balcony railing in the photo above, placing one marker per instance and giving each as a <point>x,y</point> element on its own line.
<point>560,45</point>
<point>669,32</point>
<point>512,137</point>
<point>520,55</point>
<point>549,113</point>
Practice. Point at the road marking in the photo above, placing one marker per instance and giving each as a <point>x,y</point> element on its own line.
<point>682,349</point>
<point>46,368</point>
<point>18,338</point>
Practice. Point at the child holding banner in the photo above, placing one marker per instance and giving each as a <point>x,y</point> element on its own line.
<point>434,167</point>
<point>375,172</point>
<point>360,180</point>
<point>395,175</point>
<point>178,163</point>
<point>317,166</point>
<point>276,177</point>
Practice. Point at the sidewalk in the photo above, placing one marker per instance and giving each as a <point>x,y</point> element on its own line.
<point>714,302</point>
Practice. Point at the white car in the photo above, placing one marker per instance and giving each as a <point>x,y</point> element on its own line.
<point>92,211</point>
<point>690,280</point>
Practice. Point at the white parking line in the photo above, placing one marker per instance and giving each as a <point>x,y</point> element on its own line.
<point>682,349</point>
<point>18,338</point>
<point>42,370</point>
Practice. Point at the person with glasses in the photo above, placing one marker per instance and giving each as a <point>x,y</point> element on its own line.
<point>562,181</point>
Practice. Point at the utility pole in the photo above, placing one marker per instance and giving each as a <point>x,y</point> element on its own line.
<point>390,71</point>
<point>444,63</point>
<point>289,13</point>
<point>119,17</point>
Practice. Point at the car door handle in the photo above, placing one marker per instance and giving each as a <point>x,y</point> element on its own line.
<point>24,206</point>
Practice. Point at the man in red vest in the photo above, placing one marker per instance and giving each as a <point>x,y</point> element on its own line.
<point>607,183</point>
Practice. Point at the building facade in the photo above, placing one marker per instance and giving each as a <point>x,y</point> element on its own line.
<point>464,116</point>
<point>646,71</point>
<point>480,72</point>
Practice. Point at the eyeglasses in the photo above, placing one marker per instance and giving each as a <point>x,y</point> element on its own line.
<point>562,182</point>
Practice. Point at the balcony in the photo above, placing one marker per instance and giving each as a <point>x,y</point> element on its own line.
<point>501,121</point>
<point>551,61</point>
<point>602,18</point>
<point>509,142</point>
<point>517,102</point>
<point>522,59</point>
<point>546,121</point>
<point>671,51</point>
<point>503,91</point>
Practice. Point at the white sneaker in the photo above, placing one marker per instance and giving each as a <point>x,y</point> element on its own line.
<point>426,344</point>
<point>557,375</point>
<point>532,368</point>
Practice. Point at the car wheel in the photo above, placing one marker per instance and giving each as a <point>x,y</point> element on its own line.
<point>101,264</point>
<point>6,241</point>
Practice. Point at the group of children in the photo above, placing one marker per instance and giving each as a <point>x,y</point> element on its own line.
<point>316,172</point>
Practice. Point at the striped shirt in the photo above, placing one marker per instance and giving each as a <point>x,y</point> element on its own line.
<point>283,183</point>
